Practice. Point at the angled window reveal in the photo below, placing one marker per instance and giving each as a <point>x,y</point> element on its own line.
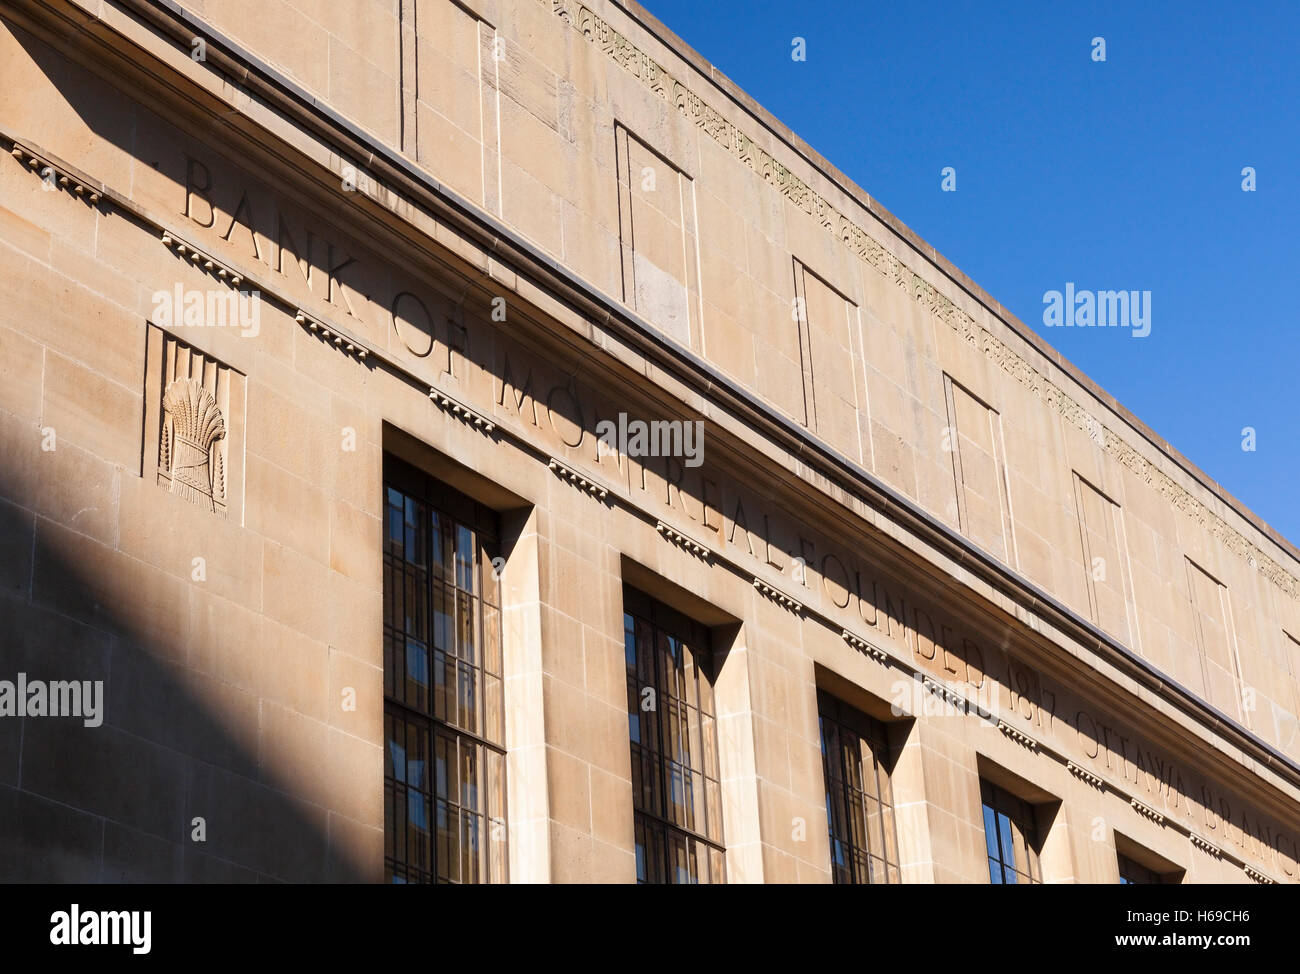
<point>1139,866</point>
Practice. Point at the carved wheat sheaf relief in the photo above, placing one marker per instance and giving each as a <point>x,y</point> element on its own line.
<point>193,425</point>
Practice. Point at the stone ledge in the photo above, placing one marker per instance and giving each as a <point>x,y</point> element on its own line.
<point>1148,811</point>
<point>578,480</point>
<point>460,410</point>
<point>682,541</point>
<point>862,646</point>
<point>1259,877</point>
<point>55,175</point>
<point>1019,736</point>
<point>202,259</point>
<point>1086,775</point>
<point>338,341</point>
<point>777,596</point>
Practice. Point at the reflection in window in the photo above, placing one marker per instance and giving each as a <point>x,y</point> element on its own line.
<point>444,768</point>
<point>1010,836</point>
<point>859,798</point>
<point>673,734</point>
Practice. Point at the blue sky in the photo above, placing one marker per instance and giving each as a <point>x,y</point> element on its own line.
<point>1123,174</point>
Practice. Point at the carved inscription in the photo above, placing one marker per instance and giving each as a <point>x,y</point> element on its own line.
<point>414,321</point>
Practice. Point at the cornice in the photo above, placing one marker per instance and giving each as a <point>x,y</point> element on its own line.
<point>728,89</point>
<point>505,246</point>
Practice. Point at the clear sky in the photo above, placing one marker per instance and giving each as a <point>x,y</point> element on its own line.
<point>1122,174</point>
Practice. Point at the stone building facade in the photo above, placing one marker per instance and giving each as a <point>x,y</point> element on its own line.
<point>473,440</point>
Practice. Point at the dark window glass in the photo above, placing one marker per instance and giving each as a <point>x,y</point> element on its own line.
<point>444,764</point>
<point>1009,836</point>
<point>859,799</point>
<point>672,728</point>
<point>1135,874</point>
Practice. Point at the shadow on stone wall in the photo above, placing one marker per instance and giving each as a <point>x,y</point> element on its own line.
<point>116,803</point>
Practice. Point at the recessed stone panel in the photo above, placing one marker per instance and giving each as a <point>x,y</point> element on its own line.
<point>974,440</point>
<point>656,201</point>
<point>1106,563</point>
<point>194,425</point>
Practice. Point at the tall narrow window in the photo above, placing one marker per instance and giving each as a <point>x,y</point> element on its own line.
<point>672,727</point>
<point>444,723</point>
<point>1010,836</point>
<point>859,799</point>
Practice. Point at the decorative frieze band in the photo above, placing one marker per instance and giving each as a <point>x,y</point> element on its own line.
<point>1017,735</point>
<point>461,411</point>
<point>1148,811</point>
<point>1081,772</point>
<point>1205,845</point>
<point>577,479</point>
<point>1258,876</point>
<point>777,596</point>
<point>201,259</point>
<point>691,106</point>
<point>682,541</point>
<point>862,646</point>
<point>338,341</point>
<point>55,176</point>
